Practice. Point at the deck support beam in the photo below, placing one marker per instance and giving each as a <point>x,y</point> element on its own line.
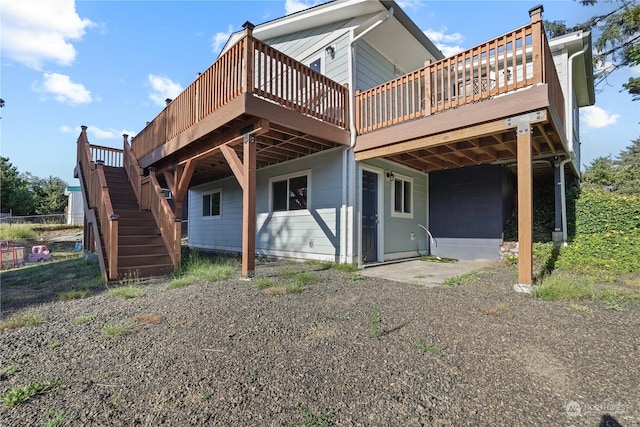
<point>525,196</point>
<point>249,206</point>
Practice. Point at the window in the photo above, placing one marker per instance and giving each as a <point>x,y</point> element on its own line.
<point>289,193</point>
<point>316,65</point>
<point>211,204</point>
<point>402,197</point>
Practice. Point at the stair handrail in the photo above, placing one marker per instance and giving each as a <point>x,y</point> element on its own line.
<point>170,226</point>
<point>150,196</point>
<point>82,172</point>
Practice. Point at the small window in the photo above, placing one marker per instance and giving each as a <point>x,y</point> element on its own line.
<point>316,65</point>
<point>211,204</point>
<point>402,197</point>
<point>289,194</point>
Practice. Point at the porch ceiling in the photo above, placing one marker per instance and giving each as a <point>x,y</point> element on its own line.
<point>275,144</point>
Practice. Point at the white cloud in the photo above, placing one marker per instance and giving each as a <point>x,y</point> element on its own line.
<point>98,133</point>
<point>293,6</point>
<point>635,69</point>
<point>409,4</point>
<point>449,44</point>
<point>64,90</point>
<point>596,118</point>
<point>35,32</point>
<point>163,88</point>
<point>219,39</point>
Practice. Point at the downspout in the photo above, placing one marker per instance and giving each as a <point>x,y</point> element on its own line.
<point>563,195</point>
<point>570,90</point>
<point>351,186</point>
<point>563,198</point>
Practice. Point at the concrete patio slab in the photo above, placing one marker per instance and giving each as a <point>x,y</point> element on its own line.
<point>427,273</point>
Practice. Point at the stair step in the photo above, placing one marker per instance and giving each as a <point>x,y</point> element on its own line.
<point>154,270</point>
<point>138,239</point>
<point>149,249</point>
<point>132,261</point>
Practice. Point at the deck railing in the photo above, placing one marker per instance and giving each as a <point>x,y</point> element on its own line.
<point>508,63</point>
<point>107,155</point>
<point>250,66</point>
<point>150,196</point>
<point>94,184</point>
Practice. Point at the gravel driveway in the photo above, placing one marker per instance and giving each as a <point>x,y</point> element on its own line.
<point>227,353</point>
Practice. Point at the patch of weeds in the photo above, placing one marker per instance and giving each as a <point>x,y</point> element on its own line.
<point>127,291</point>
<point>304,278</point>
<point>264,283</point>
<point>197,269</point>
<point>292,288</point>
<point>322,264</point>
<point>7,371</point>
<point>498,310</point>
<point>54,344</point>
<point>115,330</point>
<point>25,319</point>
<point>317,420</point>
<point>71,295</point>
<point>18,395</point>
<point>374,325</point>
<point>578,307</point>
<point>563,287</point>
<point>207,396</point>
<point>17,231</point>
<point>53,418</point>
<point>149,318</point>
<point>433,258</point>
<point>426,348</point>
<point>612,299</point>
<point>355,277</point>
<point>462,280</point>
<point>180,282</point>
<point>83,319</point>
<point>344,267</point>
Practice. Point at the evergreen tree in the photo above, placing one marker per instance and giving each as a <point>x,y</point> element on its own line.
<point>14,190</point>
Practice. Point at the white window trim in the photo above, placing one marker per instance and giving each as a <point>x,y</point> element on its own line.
<point>394,213</point>
<point>211,217</point>
<point>273,179</point>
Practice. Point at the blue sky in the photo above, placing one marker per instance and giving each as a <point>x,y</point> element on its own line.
<point>110,65</point>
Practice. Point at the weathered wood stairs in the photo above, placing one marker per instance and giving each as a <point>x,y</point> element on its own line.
<point>141,250</point>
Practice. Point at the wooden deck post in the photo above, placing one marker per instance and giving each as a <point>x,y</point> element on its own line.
<point>248,56</point>
<point>249,206</point>
<point>525,202</point>
<point>537,38</point>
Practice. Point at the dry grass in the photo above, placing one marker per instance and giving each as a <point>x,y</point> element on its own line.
<point>149,318</point>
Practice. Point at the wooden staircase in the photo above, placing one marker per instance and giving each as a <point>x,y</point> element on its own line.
<point>141,250</point>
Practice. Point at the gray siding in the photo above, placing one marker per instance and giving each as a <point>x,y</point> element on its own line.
<point>398,231</point>
<point>372,68</point>
<point>466,212</point>
<point>308,45</point>
<point>309,234</point>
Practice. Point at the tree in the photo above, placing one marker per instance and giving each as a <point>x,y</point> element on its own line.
<point>48,194</point>
<point>618,42</point>
<point>628,166</point>
<point>14,190</point>
<point>621,175</point>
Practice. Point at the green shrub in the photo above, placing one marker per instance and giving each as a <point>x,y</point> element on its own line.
<point>607,236</point>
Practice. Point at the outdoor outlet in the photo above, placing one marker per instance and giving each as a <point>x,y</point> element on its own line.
<point>413,236</point>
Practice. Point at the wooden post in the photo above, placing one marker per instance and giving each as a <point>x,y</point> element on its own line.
<point>249,206</point>
<point>426,108</point>
<point>248,56</point>
<point>536,39</point>
<point>525,203</point>
<point>113,248</point>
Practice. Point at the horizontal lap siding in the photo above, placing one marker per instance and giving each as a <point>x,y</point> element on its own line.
<point>372,68</point>
<point>279,233</point>
<point>397,231</point>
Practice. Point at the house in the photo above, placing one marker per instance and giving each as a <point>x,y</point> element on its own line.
<point>75,207</point>
<point>341,133</point>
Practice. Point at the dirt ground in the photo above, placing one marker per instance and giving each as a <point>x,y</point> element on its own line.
<point>348,350</point>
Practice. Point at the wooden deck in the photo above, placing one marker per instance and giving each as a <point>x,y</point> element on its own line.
<point>500,101</point>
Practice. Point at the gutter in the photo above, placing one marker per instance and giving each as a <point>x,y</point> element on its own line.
<point>571,94</point>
